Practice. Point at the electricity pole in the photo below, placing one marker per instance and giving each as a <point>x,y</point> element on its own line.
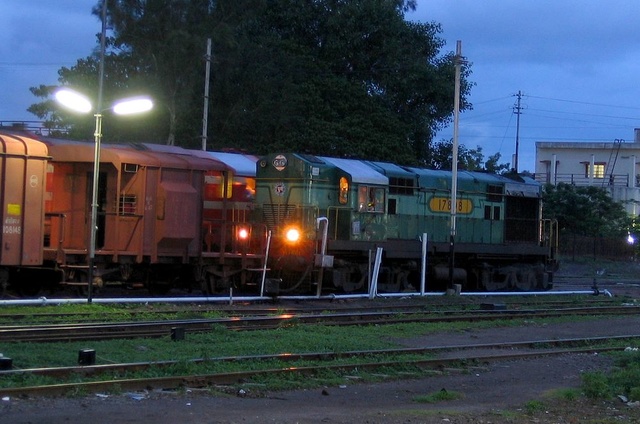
<point>517,109</point>
<point>205,113</point>
<point>458,62</point>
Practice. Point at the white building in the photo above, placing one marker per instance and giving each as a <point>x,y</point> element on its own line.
<point>612,165</point>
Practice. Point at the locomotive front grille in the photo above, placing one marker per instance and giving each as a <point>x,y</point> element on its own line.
<point>276,215</point>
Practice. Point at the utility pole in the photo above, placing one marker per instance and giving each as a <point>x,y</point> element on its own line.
<point>205,113</point>
<point>458,62</point>
<point>517,109</point>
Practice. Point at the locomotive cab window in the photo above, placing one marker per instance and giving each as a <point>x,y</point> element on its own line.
<point>494,193</point>
<point>344,191</point>
<point>371,199</point>
<point>492,213</point>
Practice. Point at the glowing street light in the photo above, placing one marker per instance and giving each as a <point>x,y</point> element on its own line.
<point>72,100</point>
<point>80,103</point>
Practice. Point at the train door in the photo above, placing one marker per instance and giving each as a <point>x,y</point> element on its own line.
<point>101,217</point>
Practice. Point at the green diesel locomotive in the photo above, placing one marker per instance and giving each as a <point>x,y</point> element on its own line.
<point>329,217</point>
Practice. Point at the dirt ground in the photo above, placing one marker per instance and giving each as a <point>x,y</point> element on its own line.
<point>499,393</point>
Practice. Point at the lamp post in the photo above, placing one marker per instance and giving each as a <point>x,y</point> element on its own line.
<point>458,61</point>
<point>79,103</point>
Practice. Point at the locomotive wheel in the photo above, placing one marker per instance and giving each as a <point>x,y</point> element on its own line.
<point>292,271</point>
<point>513,278</point>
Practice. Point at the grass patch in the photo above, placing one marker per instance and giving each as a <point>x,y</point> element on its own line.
<point>439,396</point>
<point>623,380</point>
<point>565,394</point>
<point>533,406</point>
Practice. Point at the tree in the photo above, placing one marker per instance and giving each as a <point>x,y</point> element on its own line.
<point>585,210</point>
<point>441,157</point>
<point>167,39</point>
<point>334,77</point>
<point>493,165</point>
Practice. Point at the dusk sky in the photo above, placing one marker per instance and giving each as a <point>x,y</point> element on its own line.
<point>576,63</point>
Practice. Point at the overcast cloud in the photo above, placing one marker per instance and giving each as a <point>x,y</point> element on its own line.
<point>575,61</point>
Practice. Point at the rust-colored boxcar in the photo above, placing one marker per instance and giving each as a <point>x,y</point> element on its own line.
<point>149,211</point>
<point>22,175</point>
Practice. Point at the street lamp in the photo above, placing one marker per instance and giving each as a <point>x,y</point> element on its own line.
<point>79,103</point>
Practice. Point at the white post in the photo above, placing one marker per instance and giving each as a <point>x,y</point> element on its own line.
<point>423,274</point>
<point>323,250</point>
<point>373,291</point>
<point>96,156</point>
<point>264,267</point>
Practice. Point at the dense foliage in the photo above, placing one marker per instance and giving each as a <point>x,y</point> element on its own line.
<point>342,78</point>
<point>585,210</point>
<point>441,157</point>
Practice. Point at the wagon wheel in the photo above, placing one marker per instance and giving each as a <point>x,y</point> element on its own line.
<point>4,282</point>
<point>156,285</point>
<point>29,284</point>
<point>208,284</point>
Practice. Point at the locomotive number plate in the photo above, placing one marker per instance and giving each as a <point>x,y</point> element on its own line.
<point>443,204</point>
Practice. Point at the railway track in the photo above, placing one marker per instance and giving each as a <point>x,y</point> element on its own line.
<point>118,330</point>
<point>421,360</point>
<point>310,307</point>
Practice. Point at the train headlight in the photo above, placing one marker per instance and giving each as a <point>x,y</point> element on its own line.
<point>292,235</point>
<point>243,234</point>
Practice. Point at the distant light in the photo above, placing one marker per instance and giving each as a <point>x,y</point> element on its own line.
<point>631,239</point>
<point>73,100</point>
<point>132,106</point>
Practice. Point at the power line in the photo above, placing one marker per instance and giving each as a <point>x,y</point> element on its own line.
<point>583,103</point>
<point>588,114</point>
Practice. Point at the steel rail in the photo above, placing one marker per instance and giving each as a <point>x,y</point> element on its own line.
<point>105,331</point>
<point>230,378</point>
<point>256,311</point>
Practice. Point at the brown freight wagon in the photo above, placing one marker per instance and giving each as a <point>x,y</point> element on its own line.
<point>22,174</point>
<point>149,214</point>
